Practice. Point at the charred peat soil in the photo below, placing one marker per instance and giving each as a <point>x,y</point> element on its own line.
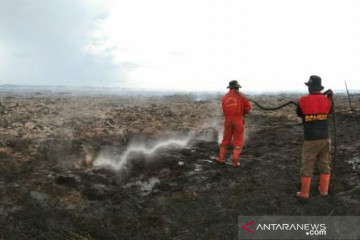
<point>51,187</point>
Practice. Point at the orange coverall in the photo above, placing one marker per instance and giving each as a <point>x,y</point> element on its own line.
<point>234,107</point>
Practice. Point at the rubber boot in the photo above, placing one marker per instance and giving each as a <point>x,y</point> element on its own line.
<point>305,188</point>
<point>222,151</point>
<point>236,155</point>
<point>324,184</point>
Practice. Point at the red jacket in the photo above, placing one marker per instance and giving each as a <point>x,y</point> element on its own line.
<point>314,109</point>
<point>234,105</point>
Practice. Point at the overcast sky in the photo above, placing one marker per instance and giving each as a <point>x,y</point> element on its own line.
<point>180,44</point>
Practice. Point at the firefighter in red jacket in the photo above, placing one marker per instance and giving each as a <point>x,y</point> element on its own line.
<point>235,106</point>
<point>314,110</point>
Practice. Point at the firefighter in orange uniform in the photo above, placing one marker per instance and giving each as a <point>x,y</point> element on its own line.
<point>314,109</point>
<point>235,106</point>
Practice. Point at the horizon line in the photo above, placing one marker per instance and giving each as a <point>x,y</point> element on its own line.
<point>80,87</point>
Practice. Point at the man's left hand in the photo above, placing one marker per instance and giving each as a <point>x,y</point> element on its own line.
<point>329,93</point>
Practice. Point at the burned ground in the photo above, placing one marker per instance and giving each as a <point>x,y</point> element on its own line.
<point>50,188</point>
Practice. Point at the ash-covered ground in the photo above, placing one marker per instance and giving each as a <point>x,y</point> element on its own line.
<point>143,167</point>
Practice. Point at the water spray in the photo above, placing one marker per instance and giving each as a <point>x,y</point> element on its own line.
<point>119,162</point>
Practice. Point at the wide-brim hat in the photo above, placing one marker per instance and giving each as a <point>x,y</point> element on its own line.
<point>315,83</point>
<point>234,84</point>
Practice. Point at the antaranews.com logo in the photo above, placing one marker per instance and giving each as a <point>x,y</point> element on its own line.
<point>307,229</point>
<point>298,227</point>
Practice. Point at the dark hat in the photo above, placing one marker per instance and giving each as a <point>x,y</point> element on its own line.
<point>234,84</point>
<point>315,83</point>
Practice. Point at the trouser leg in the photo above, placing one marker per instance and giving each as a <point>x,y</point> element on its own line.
<point>238,133</point>
<point>238,141</point>
<point>309,156</point>
<point>226,141</point>
<point>228,133</point>
<point>236,155</point>
<point>324,157</point>
<point>325,167</point>
<point>222,152</point>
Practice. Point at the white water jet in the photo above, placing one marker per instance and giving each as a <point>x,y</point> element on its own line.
<point>220,136</point>
<point>119,162</point>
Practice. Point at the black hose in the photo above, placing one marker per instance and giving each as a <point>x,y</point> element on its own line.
<point>273,108</point>
<point>334,131</point>
<point>285,104</point>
